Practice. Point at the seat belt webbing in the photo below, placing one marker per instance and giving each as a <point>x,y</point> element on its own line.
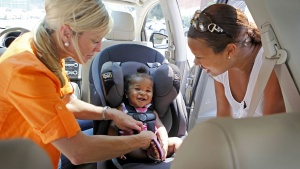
<point>288,88</point>
<point>261,82</point>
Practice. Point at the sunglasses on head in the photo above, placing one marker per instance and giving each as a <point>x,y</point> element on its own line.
<point>202,23</point>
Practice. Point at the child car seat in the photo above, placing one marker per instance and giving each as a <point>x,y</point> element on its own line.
<point>173,116</point>
<point>166,83</point>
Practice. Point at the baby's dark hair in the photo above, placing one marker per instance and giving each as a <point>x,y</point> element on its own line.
<point>140,72</point>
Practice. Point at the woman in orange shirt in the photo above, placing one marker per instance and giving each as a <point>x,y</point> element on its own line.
<point>35,95</point>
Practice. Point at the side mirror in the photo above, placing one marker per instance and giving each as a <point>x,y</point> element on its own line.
<point>159,40</point>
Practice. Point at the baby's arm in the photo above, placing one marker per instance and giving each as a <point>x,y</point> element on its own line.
<point>162,135</point>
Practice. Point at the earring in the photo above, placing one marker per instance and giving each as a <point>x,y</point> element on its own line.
<point>229,57</point>
<point>66,44</point>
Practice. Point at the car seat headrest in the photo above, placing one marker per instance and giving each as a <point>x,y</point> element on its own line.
<point>166,82</point>
<point>112,81</point>
<point>123,28</point>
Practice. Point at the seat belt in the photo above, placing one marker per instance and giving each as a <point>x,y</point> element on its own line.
<point>290,91</point>
<point>274,58</point>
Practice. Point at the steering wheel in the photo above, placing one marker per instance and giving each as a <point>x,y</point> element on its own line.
<point>9,35</point>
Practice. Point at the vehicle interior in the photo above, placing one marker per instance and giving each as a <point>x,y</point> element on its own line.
<point>154,31</point>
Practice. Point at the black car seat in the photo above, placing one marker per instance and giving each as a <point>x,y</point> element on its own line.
<point>132,56</point>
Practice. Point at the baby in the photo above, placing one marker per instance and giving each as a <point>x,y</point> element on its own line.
<point>138,98</point>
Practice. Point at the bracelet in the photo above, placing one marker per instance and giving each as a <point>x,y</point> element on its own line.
<point>104,111</point>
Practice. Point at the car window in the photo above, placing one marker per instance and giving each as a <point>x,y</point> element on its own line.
<point>187,9</point>
<point>240,4</point>
<point>28,13</point>
<point>155,21</point>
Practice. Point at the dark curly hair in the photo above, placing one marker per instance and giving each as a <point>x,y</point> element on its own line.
<point>140,72</point>
<point>231,20</point>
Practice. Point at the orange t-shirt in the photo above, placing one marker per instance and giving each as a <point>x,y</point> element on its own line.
<point>30,99</point>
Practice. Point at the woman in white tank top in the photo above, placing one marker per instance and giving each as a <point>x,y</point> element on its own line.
<point>229,49</point>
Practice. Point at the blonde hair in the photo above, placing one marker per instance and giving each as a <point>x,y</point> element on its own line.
<point>80,16</point>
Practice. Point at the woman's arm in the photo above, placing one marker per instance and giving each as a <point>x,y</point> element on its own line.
<point>223,106</point>
<point>273,99</point>
<point>86,149</point>
<point>86,111</point>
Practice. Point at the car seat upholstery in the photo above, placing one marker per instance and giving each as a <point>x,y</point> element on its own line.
<point>121,30</point>
<point>23,153</point>
<point>269,142</point>
<point>137,53</point>
<point>174,118</point>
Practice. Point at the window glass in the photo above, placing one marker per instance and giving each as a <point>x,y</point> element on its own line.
<point>240,4</point>
<point>21,13</point>
<point>155,21</point>
<point>27,13</point>
<point>187,9</point>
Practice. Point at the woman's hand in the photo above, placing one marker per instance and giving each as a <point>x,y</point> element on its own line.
<point>124,122</point>
<point>146,138</point>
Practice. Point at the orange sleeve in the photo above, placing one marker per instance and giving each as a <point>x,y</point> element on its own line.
<point>36,95</point>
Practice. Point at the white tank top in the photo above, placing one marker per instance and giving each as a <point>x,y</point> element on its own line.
<point>239,109</point>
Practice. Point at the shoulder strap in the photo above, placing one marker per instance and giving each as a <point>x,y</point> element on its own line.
<point>274,58</point>
<point>132,109</point>
<point>129,107</point>
<point>287,84</point>
<point>261,82</point>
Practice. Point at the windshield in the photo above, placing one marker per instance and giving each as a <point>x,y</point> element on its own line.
<point>21,13</point>
<point>27,13</point>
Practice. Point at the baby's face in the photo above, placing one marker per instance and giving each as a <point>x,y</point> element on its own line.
<point>140,92</point>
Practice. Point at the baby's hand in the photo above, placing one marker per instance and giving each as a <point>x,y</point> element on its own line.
<point>155,152</point>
